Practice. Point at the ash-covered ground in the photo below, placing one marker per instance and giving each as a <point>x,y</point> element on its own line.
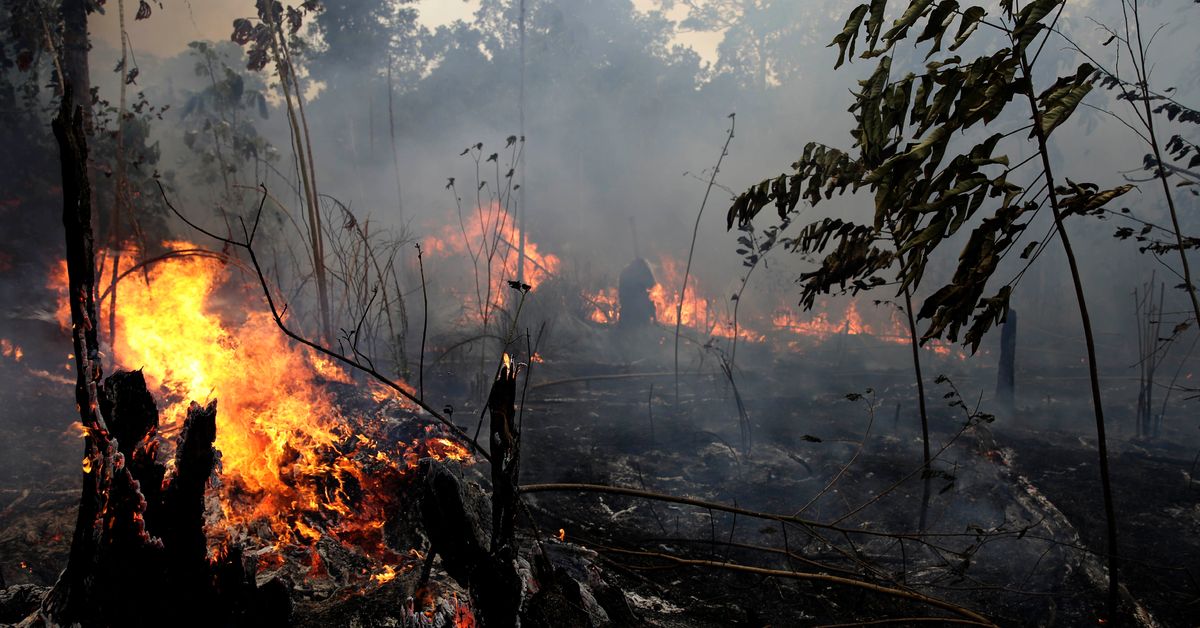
<point>823,460</point>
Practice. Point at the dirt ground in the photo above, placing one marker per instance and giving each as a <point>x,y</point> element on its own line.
<point>1014,520</point>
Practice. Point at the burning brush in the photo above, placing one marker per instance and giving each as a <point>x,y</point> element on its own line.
<point>305,459</point>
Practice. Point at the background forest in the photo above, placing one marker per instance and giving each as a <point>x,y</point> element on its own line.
<point>826,194</point>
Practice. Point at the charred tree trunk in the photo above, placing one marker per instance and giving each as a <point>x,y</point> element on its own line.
<point>77,88</point>
<point>1006,377</point>
<point>119,573</point>
<point>454,515</point>
<point>66,601</point>
<point>143,559</point>
<point>505,458</point>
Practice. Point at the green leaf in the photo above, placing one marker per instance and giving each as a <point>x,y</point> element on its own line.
<point>1029,20</point>
<point>874,25</point>
<point>939,20</point>
<point>970,21</point>
<point>906,20</point>
<point>1060,100</point>
<point>845,40</point>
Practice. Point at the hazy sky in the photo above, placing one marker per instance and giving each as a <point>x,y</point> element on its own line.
<point>170,28</point>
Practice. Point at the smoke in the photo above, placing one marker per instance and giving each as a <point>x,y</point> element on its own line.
<point>622,129</point>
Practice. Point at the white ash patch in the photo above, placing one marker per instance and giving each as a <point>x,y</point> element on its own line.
<point>652,603</point>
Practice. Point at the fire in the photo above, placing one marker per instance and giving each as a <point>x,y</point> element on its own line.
<point>603,305</point>
<point>562,534</point>
<point>820,327</point>
<point>698,311</point>
<point>290,458</point>
<point>10,350</point>
<point>490,229</point>
<point>665,296</point>
<point>384,576</point>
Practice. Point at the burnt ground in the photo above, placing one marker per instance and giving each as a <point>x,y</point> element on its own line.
<point>1015,509</point>
<point>1157,498</point>
<point>1015,517</point>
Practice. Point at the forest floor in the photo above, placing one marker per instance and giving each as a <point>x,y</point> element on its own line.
<point>1014,520</point>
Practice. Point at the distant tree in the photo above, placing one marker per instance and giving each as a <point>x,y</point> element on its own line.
<point>219,119</point>
<point>356,40</point>
<point>764,42</point>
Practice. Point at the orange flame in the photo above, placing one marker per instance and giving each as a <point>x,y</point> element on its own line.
<point>820,327</point>
<point>603,306</point>
<point>290,458</point>
<point>490,232</point>
<point>10,350</point>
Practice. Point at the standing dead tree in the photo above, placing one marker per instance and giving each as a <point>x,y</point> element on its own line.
<point>138,550</point>
<point>712,180</point>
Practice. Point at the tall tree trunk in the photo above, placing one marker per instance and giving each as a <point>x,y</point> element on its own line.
<point>78,86</point>
<point>65,601</point>
<point>1006,373</point>
<point>1089,341</point>
<point>916,356</point>
<point>521,154</point>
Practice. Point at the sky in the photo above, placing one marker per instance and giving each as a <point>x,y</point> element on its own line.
<point>178,22</point>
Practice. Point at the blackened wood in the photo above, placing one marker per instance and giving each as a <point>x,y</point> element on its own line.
<point>1006,377</point>
<point>454,515</point>
<point>183,535</point>
<point>130,410</point>
<point>505,456</point>
<point>67,601</point>
<point>78,88</point>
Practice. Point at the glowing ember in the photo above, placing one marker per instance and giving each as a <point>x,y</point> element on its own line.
<point>386,575</point>
<point>10,350</point>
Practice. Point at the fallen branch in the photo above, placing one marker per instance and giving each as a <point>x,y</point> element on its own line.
<point>976,618</point>
<point>909,620</point>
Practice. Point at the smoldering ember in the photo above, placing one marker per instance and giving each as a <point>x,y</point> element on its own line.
<point>583,313</point>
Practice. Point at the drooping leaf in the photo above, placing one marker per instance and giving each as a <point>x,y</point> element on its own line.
<point>1060,100</point>
<point>967,25</point>
<point>935,28</point>
<point>846,39</point>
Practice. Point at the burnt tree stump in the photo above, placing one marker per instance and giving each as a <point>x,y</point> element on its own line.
<point>144,557</point>
<point>454,515</point>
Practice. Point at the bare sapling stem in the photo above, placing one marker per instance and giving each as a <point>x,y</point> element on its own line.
<point>692,248</point>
